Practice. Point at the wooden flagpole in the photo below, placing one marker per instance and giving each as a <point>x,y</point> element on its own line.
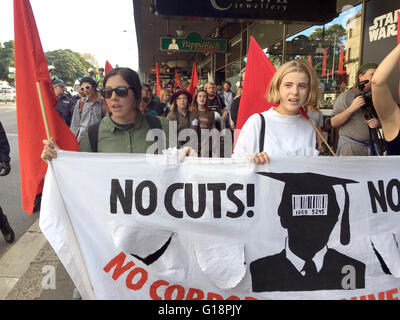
<point>304,113</point>
<point>44,115</point>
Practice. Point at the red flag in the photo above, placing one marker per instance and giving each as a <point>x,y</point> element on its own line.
<point>324,63</point>
<point>108,67</point>
<point>258,75</point>
<point>341,60</point>
<point>194,81</point>
<point>177,80</point>
<point>309,60</point>
<point>158,80</point>
<point>30,68</point>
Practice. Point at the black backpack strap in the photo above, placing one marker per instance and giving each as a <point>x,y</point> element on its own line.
<point>93,133</point>
<point>262,133</point>
<point>155,123</point>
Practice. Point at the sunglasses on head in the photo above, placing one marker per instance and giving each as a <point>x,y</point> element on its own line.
<point>119,91</point>
<point>87,88</point>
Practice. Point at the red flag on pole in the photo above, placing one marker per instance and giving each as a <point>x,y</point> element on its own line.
<point>107,67</point>
<point>31,69</point>
<point>258,75</point>
<point>177,81</point>
<point>194,81</point>
<point>158,80</point>
<point>341,60</point>
<point>324,63</point>
<point>309,60</point>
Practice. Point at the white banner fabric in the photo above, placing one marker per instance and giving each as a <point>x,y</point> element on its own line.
<point>138,227</point>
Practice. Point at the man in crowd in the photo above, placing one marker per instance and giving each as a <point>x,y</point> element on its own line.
<point>91,74</point>
<point>148,104</point>
<point>348,115</point>
<point>52,72</point>
<point>92,110</point>
<point>65,105</point>
<point>236,102</point>
<point>228,96</point>
<point>216,104</point>
<point>100,79</point>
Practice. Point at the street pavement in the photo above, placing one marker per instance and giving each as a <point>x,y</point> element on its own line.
<point>29,268</point>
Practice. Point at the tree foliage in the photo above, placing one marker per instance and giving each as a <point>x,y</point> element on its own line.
<point>329,34</point>
<point>335,34</point>
<point>6,58</point>
<point>69,65</point>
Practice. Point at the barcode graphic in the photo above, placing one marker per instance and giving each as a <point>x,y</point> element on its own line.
<point>310,204</point>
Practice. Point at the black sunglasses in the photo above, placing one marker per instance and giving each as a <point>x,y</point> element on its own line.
<point>119,91</point>
<point>87,88</point>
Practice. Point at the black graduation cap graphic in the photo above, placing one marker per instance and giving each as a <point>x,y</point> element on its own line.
<point>309,211</point>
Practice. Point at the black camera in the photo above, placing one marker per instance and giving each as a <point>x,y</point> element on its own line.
<point>369,113</point>
<point>368,108</point>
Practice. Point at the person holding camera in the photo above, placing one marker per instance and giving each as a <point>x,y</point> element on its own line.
<point>5,169</point>
<point>386,107</point>
<point>349,115</point>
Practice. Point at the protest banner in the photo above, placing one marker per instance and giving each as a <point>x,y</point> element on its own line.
<point>131,226</point>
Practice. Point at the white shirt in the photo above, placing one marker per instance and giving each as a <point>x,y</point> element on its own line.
<point>284,135</point>
<point>299,263</point>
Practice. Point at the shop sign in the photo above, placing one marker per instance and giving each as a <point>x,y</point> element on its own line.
<point>315,11</point>
<point>193,42</point>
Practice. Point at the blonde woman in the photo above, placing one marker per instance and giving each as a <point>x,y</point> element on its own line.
<point>285,130</point>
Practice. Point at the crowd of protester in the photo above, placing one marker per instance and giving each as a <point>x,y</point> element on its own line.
<point>214,109</point>
<point>206,114</point>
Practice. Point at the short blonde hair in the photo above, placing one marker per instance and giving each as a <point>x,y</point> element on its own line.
<point>314,91</point>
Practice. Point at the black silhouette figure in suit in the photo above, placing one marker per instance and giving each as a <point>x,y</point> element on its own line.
<point>309,211</point>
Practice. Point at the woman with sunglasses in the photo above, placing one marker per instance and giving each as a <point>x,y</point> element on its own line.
<point>92,110</point>
<point>124,128</point>
<point>185,119</point>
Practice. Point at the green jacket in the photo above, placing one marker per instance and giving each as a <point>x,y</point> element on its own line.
<point>113,138</point>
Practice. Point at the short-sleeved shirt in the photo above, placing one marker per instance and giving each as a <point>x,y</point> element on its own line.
<point>206,119</point>
<point>355,127</point>
<point>317,118</point>
<point>130,138</point>
<point>91,112</point>
<point>216,104</point>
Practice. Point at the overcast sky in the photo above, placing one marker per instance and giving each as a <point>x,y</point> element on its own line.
<point>103,28</point>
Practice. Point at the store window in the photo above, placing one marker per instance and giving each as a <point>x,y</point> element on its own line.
<point>269,37</point>
<point>333,50</point>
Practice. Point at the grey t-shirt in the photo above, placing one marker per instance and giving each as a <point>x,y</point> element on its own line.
<point>317,117</point>
<point>355,127</point>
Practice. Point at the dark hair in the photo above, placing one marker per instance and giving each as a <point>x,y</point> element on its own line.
<point>196,105</point>
<point>131,77</point>
<point>88,80</point>
<point>226,81</point>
